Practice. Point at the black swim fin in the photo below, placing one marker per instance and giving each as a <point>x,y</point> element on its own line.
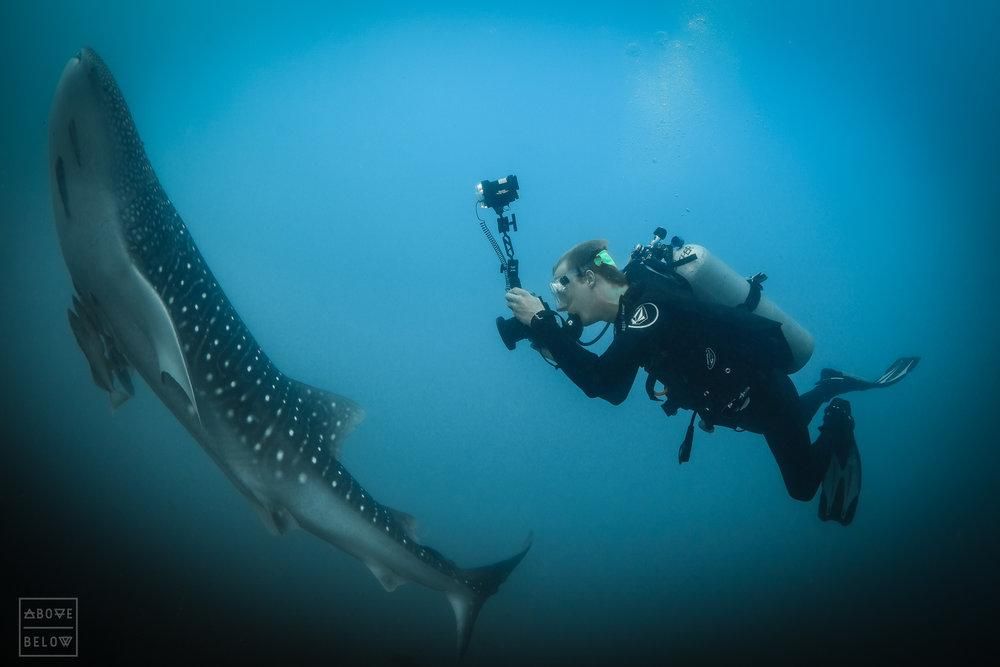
<point>838,500</point>
<point>837,382</point>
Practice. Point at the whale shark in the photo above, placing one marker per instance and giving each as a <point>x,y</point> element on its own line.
<point>146,302</point>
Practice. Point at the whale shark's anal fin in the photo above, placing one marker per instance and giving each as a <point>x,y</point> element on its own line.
<point>108,366</point>
<point>390,580</point>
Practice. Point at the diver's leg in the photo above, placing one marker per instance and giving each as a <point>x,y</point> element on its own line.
<point>801,462</point>
<point>810,402</point>
<point>832,459</point>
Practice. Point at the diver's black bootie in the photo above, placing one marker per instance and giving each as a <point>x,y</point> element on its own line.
<point>842,482</point>
<point>838,411</point>
<point>838,424</point>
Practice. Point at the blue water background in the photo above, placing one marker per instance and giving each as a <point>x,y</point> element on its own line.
<point>324,161</point>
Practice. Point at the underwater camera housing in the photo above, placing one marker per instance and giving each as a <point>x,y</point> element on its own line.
<point>498,195</point>
<point>511,331</point>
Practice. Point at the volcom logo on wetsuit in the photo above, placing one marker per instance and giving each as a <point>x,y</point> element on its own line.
<point>710,358</point>
<point>644,316</point>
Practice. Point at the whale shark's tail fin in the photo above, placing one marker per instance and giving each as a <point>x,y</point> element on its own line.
<point>482,582</point>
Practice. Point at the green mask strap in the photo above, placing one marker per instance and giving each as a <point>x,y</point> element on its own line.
<point>603,258</point>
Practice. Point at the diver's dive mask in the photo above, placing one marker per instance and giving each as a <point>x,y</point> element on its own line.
<point>571,323</point>
<point>558,287</point>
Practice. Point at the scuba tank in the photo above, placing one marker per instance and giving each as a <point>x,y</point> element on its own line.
<point>712,280</point>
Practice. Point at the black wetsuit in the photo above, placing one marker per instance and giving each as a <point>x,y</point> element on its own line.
<point>724,363</point>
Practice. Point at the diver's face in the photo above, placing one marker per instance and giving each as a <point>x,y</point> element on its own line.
<point>569,289</point>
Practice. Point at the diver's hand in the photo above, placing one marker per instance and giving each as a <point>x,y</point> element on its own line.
<point>523,304</point>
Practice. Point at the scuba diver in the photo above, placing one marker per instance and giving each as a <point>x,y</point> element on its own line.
<point>728,364</point>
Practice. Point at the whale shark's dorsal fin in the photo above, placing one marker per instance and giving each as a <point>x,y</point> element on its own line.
<point>408,522</point>
<point>330,416</point>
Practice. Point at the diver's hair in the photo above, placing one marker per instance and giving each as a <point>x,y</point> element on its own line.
<point>581,257</point>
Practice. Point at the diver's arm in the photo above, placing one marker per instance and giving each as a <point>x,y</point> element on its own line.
<point>544,351</point>
<point>609,376</point>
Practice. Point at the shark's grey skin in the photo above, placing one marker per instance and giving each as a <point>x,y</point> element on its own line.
<point>148,300</point>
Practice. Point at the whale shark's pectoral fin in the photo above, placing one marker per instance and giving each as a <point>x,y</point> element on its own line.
<point>151,316</point>
<point>173,371</point>
<point>390,580</point>
<point>179,393</point>
<point>108,366</point>
<point>275,519</point>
